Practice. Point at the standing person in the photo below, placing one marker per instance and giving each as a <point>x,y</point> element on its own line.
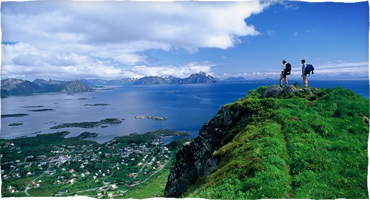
<point>304,75</point>
<point>283,75</point>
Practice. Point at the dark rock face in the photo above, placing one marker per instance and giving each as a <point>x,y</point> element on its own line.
<point>194,161</point>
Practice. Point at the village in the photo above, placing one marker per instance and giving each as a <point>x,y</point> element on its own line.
<point>97,170</point>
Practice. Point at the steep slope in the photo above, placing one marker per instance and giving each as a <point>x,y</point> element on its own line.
<point>297,144</point>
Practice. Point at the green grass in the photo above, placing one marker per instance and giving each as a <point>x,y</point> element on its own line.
<point>153,187</point>
<point>305,147</point>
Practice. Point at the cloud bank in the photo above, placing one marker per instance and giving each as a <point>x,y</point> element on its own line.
<point>327,71</point>
<point>110,39</point>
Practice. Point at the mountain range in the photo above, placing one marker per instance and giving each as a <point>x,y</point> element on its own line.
<point>196,78</point>
<point>19,87</point>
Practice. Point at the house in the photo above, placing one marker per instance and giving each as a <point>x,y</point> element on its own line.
<point>63,191</point>
<point>36,185</point>
<point>99,195</point>
<point>110,195</point>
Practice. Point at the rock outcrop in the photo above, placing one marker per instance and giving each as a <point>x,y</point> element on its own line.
<point>194,161</point>
<point>275,91</point>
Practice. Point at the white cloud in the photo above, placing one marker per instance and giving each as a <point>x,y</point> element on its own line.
<point>329,70</point>
<point>349,69</point>
<point>75,34</point>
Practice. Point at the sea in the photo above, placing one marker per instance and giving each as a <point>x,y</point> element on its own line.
<point>184,107</point>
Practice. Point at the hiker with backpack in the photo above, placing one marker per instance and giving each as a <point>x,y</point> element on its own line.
<point>306,70</point>
<point>286,71</point>
<point>304,75</point>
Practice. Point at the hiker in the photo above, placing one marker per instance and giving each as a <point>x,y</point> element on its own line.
<point>283,75</point>
<point>304,75</point>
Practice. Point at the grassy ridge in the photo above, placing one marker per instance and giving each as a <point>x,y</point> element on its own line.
<point>311,146</point>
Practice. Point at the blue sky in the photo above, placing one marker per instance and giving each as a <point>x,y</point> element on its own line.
<point>112,40</point>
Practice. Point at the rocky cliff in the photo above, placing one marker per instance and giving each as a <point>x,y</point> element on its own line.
<point>193,161</point>
<point>278,143</point>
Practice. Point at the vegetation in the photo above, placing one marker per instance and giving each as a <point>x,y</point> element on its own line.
<point>308,146</point>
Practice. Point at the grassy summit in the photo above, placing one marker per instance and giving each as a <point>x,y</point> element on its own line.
<point>303,146</point>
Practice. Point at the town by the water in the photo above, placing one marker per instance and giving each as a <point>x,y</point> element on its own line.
<point>52,165</point>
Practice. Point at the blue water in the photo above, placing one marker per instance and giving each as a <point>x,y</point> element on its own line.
<point>188,108</point>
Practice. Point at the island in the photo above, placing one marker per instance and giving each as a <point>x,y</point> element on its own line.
<point>151,117</point>
<point>89,124</point>
<point>14,115</point>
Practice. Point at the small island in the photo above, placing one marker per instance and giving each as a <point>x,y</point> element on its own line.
<point>151,117</point>
<point>89,124</point>
<point>14,115</point>
<point>41,110</point>
<point>15,124</point>
<point>97,104</point>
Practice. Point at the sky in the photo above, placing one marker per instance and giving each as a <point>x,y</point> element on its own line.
<point>67,40</point>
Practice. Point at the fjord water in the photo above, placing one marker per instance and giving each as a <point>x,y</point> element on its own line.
<point>187,107</point>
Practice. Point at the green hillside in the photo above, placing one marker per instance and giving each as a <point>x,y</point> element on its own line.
<point>300,146</point>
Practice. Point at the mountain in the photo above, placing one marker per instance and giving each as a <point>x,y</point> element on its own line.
<point>75,86</point>
<point>14,86</point>
<point>18,87</point>
<point>196,78</point>
<point>155,80</point>
<point>100,82</point>
<point>234,79</point>
<point>278,143</point>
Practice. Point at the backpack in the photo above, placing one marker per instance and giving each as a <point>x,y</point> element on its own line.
<point>309,69</point>
<point>288,68</point>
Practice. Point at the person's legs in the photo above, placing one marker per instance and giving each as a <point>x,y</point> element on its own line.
<point>286,81</point>
<point>305,81</point>
<point>281,80</point>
